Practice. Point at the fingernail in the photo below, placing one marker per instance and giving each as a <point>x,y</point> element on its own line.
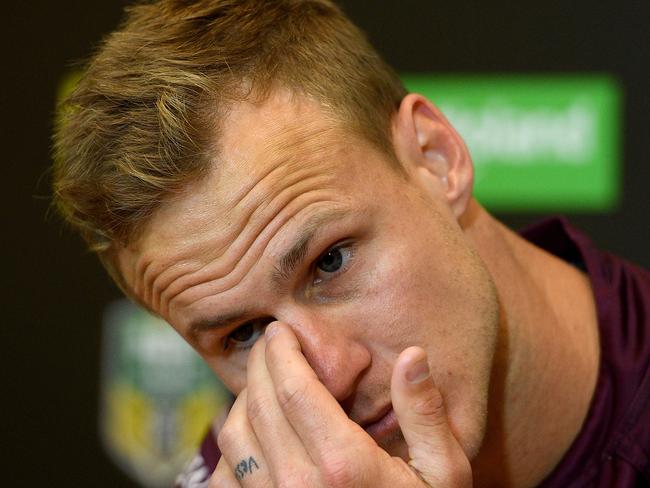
<point>418,371</point>
<point>271,330</point>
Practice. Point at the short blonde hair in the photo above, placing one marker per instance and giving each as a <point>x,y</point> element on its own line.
<point>143,122</point>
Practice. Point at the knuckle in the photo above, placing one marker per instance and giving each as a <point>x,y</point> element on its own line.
<point>257,407</point>
<point>292,393</point>
<point>338,472</point>
<point>227,437</point>
<point>454,471</point>
<point>292,482</point>
<point>431,406</point>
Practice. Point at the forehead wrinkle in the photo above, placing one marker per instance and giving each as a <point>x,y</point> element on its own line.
<point>273,182</point>
<point>289,167</point>
<point>286,168</point>
<point>261,244</point>
<point>149,271</point>
<point>139,269</point>
<point>158,284</point>
<point>260,240</point>
<point>259,218</point>
<point>281,191</point>
<point>297,252</point>
<point>281,147</point>
<point>300,144</point>
<point>180,282</point>
<point>172,272</point>
<point>286,148</point>
<point>149,277</point>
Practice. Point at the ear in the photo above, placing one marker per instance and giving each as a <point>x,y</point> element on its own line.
<point>432,152</point>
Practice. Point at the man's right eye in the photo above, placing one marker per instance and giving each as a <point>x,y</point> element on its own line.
<point>244,336</point>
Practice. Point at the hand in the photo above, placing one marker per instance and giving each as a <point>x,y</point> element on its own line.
<point>286,430</point>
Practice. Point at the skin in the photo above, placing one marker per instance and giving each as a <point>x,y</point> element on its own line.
<point>420,264</point>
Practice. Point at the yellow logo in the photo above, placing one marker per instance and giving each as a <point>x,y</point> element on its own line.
<point>158,397</point>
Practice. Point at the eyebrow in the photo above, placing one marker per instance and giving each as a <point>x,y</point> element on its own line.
<point>212,323</point>
<point>296,254</point>
<point>284,268</point>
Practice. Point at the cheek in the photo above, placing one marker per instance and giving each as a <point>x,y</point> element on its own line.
<point>390,296</point>
<point>231,374</point>
<point>431,291</point>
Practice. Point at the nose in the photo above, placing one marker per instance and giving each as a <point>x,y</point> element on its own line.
<point>336,357</point>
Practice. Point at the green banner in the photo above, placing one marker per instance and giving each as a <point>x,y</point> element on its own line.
<point>539,143</point>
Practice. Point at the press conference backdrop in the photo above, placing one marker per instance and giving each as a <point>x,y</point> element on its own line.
<point>551,100</point>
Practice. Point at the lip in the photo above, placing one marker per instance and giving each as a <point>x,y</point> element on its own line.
<point>382,424</point>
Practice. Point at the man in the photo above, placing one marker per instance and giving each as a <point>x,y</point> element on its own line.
<point>256,175</point>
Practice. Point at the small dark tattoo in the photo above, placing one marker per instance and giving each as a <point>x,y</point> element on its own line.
<point>245,467</point>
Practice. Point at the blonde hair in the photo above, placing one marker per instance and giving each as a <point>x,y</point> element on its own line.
<point>143,121</point>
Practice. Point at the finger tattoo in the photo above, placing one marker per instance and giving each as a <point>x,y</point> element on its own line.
<point>245,467</point>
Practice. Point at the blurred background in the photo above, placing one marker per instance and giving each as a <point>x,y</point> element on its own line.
<point>55,295</point>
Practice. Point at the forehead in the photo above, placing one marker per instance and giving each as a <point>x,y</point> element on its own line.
<point>272,154</point>
<point>261,145</point>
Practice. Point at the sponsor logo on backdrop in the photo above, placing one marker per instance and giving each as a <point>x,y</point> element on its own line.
<point>542,143</point>
<point>158,396</point>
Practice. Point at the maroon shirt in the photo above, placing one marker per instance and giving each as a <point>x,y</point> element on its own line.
<point>613,446</point>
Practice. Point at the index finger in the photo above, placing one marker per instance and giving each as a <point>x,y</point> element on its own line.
<point>316,416</point>
<point>271,427</point>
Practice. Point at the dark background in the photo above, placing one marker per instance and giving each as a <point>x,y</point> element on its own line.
<point>54,291</point>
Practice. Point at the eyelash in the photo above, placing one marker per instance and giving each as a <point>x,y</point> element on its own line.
<point>261,324</point>
<point>244,346</point>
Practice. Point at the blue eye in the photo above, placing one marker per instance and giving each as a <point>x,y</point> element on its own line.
<point>334,261</point>
<point>244,336</point>
<point>331,261</point>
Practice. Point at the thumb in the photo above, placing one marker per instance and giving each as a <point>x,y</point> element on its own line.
<point>434,452</point>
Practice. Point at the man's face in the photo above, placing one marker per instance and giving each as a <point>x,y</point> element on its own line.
<point>302,222</point>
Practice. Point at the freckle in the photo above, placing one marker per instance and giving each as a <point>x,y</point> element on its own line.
<point>309,293</point>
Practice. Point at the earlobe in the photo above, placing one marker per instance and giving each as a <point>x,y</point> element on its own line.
<point>429,147</point>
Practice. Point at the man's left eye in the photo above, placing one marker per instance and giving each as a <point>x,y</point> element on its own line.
<point>334,260</point>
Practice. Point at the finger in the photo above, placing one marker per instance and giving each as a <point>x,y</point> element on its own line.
<point>433,450</point>
<point>223,476</point>
<point>271,427</point>
<point>240,449</point>
<point>312,411</point>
